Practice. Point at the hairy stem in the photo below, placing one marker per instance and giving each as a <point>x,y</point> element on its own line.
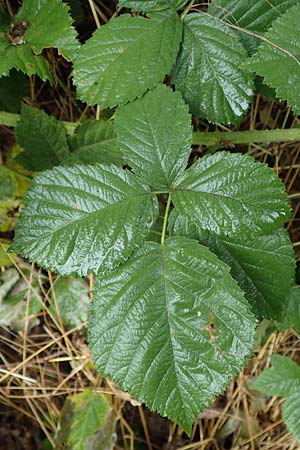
<point>209,138</point>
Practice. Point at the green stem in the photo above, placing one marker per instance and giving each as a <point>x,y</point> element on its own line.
<point>189,6</point>
<point>15,172</point>
<point>246,137</point>
<point>210,138</point>
<point>164,228</point>
<point>11,120</point>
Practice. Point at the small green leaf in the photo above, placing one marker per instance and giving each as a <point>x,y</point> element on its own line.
<point>43,139</point>
<point>172,327</point>
<point>263,266</point>
<point>21,58</point>
<point>12,91</point>
<point>124,58</point>
<point>208,71</point>
<point>84,219</point>
<point>50,25</point>
<point>291,415</point>
<point>277,59</point>
<point>283,379</point>
<point>87,422</point>
<point>231,194</point>
<point>152,5</point>
<point>291,316</point>
<point>94,141</point>
<point>155,136</point>
<point>72,301</point>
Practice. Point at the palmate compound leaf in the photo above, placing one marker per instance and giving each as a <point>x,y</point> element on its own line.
<point>126,57</point>
<point>231,194</point>
<point>43,139</point>
<point>94,141</point>
<point>152,5</point>
<point>155,135</point>
<point>263,266</point>
<point>208,70</point>
<point>172,327</point>
<point>277,59</point>
<point>84,219</point>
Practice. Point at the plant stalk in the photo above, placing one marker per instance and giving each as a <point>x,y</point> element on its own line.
<point>227,138</point>
<point>164,228</point>
<point>210,138</point>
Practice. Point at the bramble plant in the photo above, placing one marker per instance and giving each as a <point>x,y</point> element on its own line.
<point>176,301</point>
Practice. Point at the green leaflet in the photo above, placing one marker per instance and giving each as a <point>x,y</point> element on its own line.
<point>94,141</point>
<point>84,219</point>
<point>72,299</point>
<point>50,25</point>
<point>291,414</point>
<point>291,316</point>
<point>21,58</point>
<point>282,379</point>
<point>264,266</point>
<point>172,327</point>
<point>86,422</point>
<point>277,59</point>
<point>43,139</point>
<point>124,58</point>
<point>231,194</point>
<point>43,29</point>
<point>208,70</point>
<point>254,15</point>
<point>152,5</point>
<point>155,135</point>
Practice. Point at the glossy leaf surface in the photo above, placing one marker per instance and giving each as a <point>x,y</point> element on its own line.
<point>126,57</point>
<point>254,15</point>
<point>155,136</point>
<point>94,141</point>
<point>277,59</point>
<point>43,139</point>
<point>172,327</point>
<point>84,218</point>
<point>231,194</point>
<point>208,71</point>
<point>263,266</point>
